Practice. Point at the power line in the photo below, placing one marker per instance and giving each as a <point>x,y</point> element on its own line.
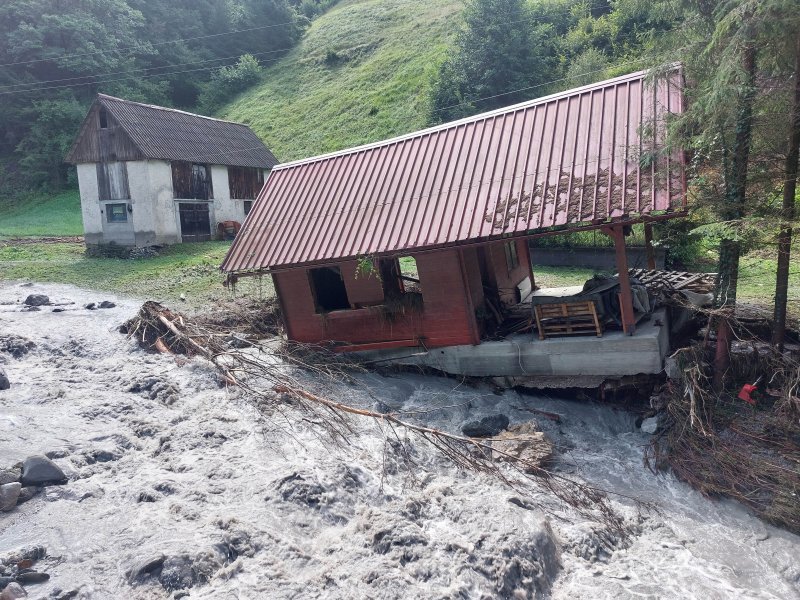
<point>189,39</point>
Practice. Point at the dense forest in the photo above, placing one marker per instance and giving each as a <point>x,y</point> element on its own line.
<point>55,55</point>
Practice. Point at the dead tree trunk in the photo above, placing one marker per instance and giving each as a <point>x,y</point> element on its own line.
<point>787,211</point>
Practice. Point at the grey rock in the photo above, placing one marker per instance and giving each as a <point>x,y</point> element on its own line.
<point>487,427</point>
<point>15,345</point>
<point>36,300</point>
<point>650,425</point>
<point>10,475</point>
<point>4,581</point>
<point>27,493</point>
<point>30,309</point>
<point>144,568</point>
<point>28,577</point>
<point>13,591</point>
<point>91,306</point>
<point>40,470</point>
<point>8,495</point>
<point>106,304</point>
<point>177,573</point>
<point>4,382</point>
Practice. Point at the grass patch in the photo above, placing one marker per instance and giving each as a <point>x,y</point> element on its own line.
<point>191,270</point>
<point>361,73</point>
<point>42,215</point>
<point>548,277</point>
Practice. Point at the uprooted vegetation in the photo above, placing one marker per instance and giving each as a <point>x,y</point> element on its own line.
<point>724,446</point>
<point>276,379</point>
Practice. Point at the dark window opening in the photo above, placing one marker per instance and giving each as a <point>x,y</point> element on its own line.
<point>117,213</point>
<point>191,181</point>
<point>328,289</point>
<point>512,260</point>
<point>245,182</point>
<point>103,118</point>
<point>248,206</point>
<point>112,181</point>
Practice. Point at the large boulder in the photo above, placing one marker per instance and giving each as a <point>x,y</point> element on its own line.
<point>10,475</point>
<point>37,300</point>
<point>4,382</point>
<point>487,427</point>
<point>8,495</point>
<point>13,591</point>
<point>526,443</point>
<point>40,470</point>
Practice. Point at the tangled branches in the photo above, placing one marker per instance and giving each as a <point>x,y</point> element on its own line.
<point>273,376</point>
<point>723,446</point>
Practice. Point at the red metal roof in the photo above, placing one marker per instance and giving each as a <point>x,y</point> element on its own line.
<point>588,154</point>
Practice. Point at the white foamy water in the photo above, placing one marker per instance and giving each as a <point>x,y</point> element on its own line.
<point>165,462</point>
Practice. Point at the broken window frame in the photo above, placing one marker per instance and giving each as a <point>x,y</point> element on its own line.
<point>321,290</point>
<point>191,181</point>
<point>102,118</point>
<point>116,212</point>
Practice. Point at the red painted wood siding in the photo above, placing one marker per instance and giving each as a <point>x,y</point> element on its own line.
<point>446,318</point>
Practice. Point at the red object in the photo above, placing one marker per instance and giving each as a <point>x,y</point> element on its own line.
<point>745,392</point>
<point>451,288</point>
<point>573,158</point>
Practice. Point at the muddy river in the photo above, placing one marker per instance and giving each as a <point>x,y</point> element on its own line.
<point>179,487</point>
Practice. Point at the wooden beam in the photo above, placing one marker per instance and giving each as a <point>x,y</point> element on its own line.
<point>648,246</point>
<point>626,295</point>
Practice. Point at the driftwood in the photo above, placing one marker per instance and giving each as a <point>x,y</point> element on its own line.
<point>274,383</point>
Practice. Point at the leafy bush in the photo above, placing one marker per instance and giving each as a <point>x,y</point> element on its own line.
<point>228,81</point>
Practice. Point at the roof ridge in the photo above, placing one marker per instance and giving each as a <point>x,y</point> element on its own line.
<point>474,118</point>
<point>168,109</point>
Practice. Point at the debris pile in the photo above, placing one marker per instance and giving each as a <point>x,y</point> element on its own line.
<point>726,446</point>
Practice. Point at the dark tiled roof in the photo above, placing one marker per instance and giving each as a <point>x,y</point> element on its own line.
<point>575,159</point>
<point>169,134</point>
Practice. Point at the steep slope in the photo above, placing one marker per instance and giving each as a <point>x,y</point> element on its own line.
<point>361,73</point>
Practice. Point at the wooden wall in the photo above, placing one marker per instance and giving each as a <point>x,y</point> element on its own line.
<point>447,317</point>
<point>99,145</point>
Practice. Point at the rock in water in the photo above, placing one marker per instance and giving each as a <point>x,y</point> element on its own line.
<point>27,493</point>
<point>36,300</point>
<point>8,495</point>
<point>40,470</point>
<point>650,425</point>
<point>10,475</point>
<point>526,443</point>
<point>487,427</point>
<point>106,304</point>
<point>4,382</point>
<point>28,576</point>
<point>13,591</point>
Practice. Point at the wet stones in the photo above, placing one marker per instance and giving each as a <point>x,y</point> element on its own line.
<point>13,591</point>
<point>10,475</point>
<point>8,495</point>
<point>103,304</point>
<point>180,571</point>
<point>525,443</point>
<point>486,427</point>
<point>40,470</point>
<point>4,382</point>
<point>37,300</point>
<point>15,345</point>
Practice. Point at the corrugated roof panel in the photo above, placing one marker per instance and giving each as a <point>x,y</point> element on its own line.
<point>582,156</point>
<point>169,134</point>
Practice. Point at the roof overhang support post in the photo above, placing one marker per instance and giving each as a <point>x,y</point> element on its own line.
<point>617,233</point>
<point>648,246</point>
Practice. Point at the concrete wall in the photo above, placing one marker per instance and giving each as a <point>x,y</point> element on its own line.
<point>154,217</point>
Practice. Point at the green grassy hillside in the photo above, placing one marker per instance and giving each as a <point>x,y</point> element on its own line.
<point>42,215</point>
<point>361,73</point>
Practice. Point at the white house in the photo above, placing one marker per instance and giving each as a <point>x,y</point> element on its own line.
<point>152,175</point>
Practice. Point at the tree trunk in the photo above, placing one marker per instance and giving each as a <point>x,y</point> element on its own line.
<point>787,211</point>
<point>735,208</point>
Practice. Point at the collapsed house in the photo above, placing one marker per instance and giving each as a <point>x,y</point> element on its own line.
<point>416,247</point>
<point>151,175</point>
